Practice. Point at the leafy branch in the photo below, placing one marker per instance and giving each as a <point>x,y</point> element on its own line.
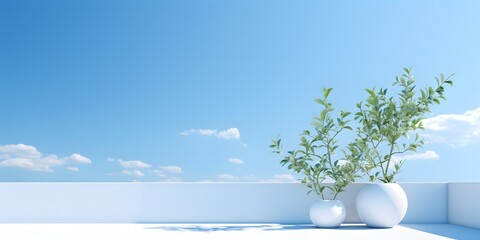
<point>316,157</point>
<point>386,122</point>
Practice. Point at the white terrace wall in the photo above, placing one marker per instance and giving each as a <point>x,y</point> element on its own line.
<point>464,204</point>
<point>191,202</point>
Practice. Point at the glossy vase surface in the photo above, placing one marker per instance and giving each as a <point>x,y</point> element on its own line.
<point>327,213</point>
<point>381,205</point>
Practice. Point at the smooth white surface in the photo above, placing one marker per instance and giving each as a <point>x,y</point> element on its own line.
<point>153,202</point>
<point>327,213</point>
<point>192,202</point>
<point>381,204</point>
<point>230,231</point>
<point>427,202</point>
<point>464,204</point>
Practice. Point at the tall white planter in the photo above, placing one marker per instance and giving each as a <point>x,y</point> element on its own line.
<point>327,213</point>
<point>381,205</point>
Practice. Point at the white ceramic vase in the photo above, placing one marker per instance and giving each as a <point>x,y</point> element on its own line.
<point>327,213</point>
<point>381,205</point>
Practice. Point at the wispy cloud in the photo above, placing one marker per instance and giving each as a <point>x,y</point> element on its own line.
<point>283,178</point>
<point>172,169</point>
<point>135,173</point>
<point>131,168</point>
<point>236,160</point>
<point>77,158</point>
<point>164,177</point>
<point>28,157</point>
<point>453,129</point>
<point>130,164</point>
<point>172,179</point>
<point>159,173</point>
<point>226,177</point>
<point>427,155</point>
<point>203,132</point>
<point>134,164</point>
<point>231,133</point>
<point>73,169</point>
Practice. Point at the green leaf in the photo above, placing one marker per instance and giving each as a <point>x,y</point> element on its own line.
<point>371,92</point>
<point>318,100</point>
<point>324,113</point>
<point>345,114</point>
<point>383,126</point>
<point>326,92</point>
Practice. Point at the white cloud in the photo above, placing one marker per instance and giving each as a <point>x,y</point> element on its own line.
<point>231,133</point>
<point>131,164</point>
<point>27,164</point>
<point>251,178</point>
<point>283,178</point>
<point>73,169</point>
<point>77,158</point>
<point>173,179</point>
<point>164,177</point>
<point>341,162</point>
<point>135,173</point>
<point>236,160</point>
<point>453,129</point>
<point>159,173</point>
<point>20,151</point>
<point>427,155</point>
<point>226,177</point>
<point>204,132</point>
<point>28,157</point>
<point>172,169</point>
<point>134,165</point>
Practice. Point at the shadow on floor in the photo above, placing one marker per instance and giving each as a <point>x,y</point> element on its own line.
<point>246,227</point>
<point>447,230</point>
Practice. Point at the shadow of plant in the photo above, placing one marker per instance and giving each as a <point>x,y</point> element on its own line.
<point>247,227</point>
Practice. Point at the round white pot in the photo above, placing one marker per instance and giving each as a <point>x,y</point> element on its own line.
<point>381,205</point>
<point>327,213</point>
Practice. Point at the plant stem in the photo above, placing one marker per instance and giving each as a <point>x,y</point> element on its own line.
<point>378,155</point>
<point>389,159</point>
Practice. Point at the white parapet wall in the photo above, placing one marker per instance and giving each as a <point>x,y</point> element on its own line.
<point>191,202</point>
<point>464,204</point>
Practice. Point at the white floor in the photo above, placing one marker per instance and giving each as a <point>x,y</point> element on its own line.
<point>104,231</point>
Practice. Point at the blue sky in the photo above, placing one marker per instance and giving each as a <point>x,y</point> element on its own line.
<point>195,90</point>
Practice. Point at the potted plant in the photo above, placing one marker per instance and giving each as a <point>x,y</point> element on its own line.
<point>388,128</point>
<point>317,162</point>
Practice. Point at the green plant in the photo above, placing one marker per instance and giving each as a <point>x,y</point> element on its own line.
<point>316,159</point>
<point>386,122</point>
